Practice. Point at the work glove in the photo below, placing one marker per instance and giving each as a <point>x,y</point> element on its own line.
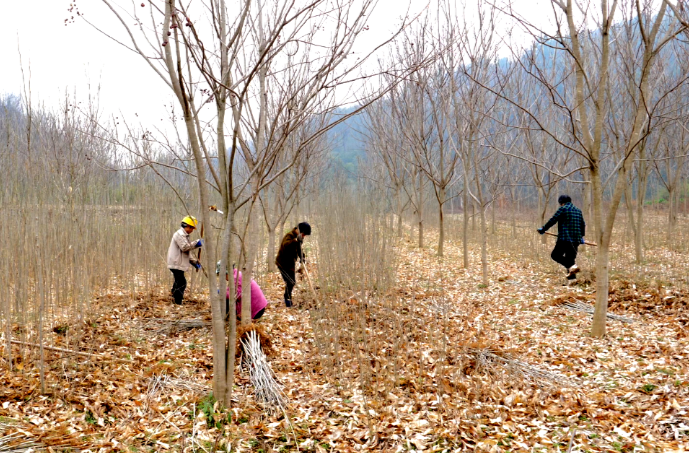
<point>199,243</point>
<point>197,266</point>
<point>541,231</point>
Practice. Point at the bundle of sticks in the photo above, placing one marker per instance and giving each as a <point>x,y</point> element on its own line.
<point>487,358</point>
<point>162,325</point>
<point>17,443</point>
<point>586,308</point>
<point>266,388</point>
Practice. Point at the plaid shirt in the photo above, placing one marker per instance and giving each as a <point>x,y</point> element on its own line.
<point>570,224</point>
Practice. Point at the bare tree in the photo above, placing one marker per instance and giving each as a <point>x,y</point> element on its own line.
<point>279,199</point>
<point>669,162</point>
<point>586,109</point>
<point>412,113</point>
<point>383,141</point>
<point>473,105</point>
<point>230,58</point>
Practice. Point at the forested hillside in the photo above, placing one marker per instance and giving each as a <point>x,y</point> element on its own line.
<point>346,142</point>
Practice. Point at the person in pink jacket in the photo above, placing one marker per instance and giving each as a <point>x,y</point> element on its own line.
<point>258,300</point>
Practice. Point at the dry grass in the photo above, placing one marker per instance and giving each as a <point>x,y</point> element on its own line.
<point>431,359</point>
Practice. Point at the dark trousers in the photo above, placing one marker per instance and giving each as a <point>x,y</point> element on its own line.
<point>178,286</point>
<point>565,253</point>
<point>290,278</point>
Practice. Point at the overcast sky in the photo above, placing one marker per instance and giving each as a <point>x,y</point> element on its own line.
<point>79,60</point>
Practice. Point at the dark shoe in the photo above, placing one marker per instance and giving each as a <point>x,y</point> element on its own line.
<point>572,276</point>
<point>288,303</point>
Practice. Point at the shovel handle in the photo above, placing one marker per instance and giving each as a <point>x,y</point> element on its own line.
<point>585,242</point>
<point>308,279</point>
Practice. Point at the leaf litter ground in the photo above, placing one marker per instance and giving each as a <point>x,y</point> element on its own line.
<point>438,363</point>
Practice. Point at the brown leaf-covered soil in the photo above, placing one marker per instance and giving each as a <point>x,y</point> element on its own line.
<point>441,362</point>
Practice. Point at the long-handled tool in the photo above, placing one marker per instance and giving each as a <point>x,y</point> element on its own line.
<point>585,242</point>
<point>210,208</point>
<point>198,258</point>
<point>308,279</point>
<point>200,250</point>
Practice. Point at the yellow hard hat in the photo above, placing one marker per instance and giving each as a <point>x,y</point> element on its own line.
<point>190,220</point>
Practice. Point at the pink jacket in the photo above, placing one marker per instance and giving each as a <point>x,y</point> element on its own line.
<point>258,300</point>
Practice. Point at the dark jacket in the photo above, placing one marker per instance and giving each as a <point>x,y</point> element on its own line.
<point>570,224</point>
<point>290,251</point>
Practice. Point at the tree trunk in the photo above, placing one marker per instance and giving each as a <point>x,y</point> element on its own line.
<point>219,364</point>
<point>628,202</point>
<point>480,203</point>
<point>465,229</point>
<point>398,196</point>
<point>672,217</point>
<point>8,330</point>
<point>270,254</point>
<point>588,203</point>
<point>484,246</point>
<point>473,216</point>
<point>281,231</point>
<point>640,200</point>
<point>674,182</point>
<point>602,288</point>
<point>227,286</point>
<point>219,354</point>
<point>441,223</point>
<point>419,209</point>
<point>41,312</point>
<point>601,309</point>
<point>542,207</point>
<point>584,198</point>
<point>420,232</point>
<point>513,208</point>
<point>604,236</point>
<point>248,269</point>
<point>268,216</point>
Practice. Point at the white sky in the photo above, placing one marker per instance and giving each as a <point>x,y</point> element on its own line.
<point>77,59</point>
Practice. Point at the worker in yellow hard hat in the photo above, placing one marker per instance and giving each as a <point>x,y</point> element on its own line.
<point>179,258</point>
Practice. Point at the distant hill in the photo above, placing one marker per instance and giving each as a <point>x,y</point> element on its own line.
<point>345,141</point>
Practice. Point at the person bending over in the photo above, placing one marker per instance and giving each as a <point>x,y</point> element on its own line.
<point>286,260</point>
<point>258,299</point>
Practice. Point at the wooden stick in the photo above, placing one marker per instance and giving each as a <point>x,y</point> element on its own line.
<point>308,279</point>
<point>585,242</point>
<point>571,440</point>
<point>67,351</point>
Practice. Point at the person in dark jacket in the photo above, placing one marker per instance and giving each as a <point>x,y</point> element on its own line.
<point>571,230</point>
<point>286,259</point>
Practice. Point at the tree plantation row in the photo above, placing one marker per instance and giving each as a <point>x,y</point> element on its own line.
<point>463,127</point>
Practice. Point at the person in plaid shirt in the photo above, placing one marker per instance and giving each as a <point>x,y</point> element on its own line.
<point>571,231</point>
